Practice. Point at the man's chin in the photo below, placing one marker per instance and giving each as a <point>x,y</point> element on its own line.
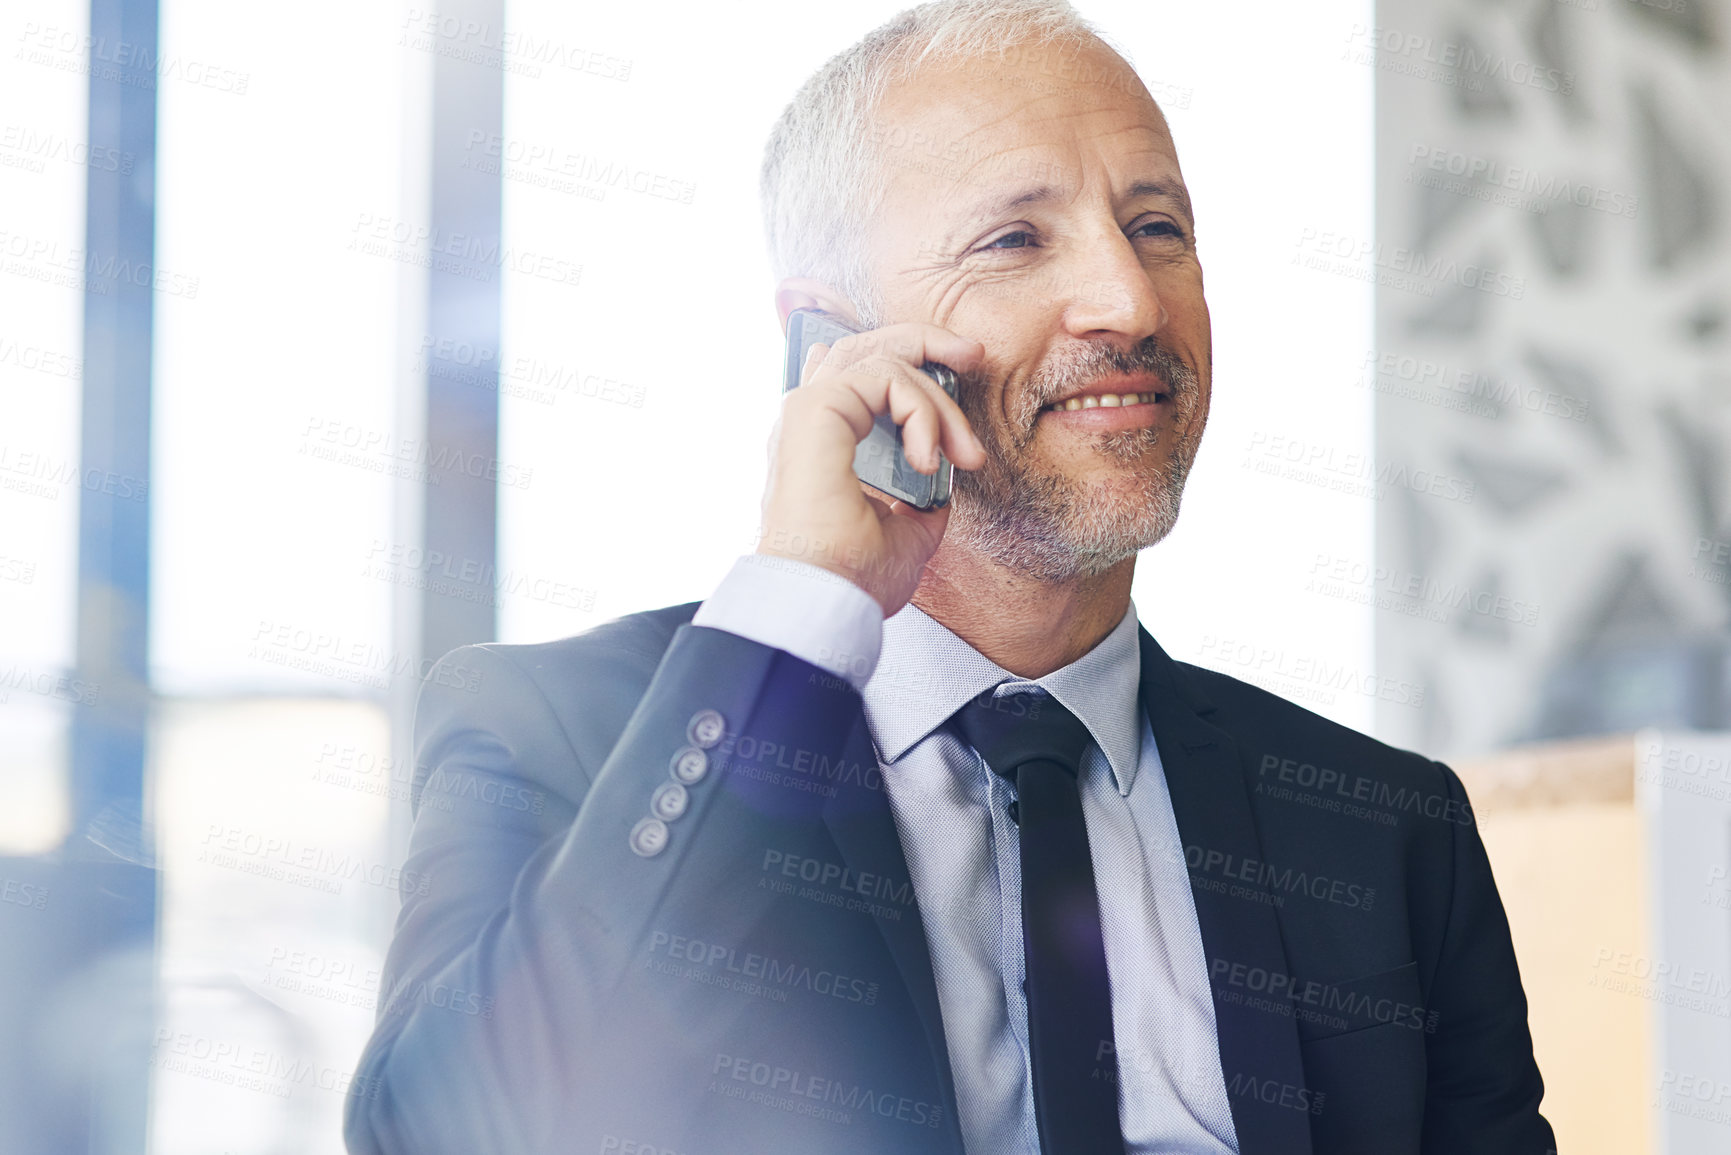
<point>1120,472</point>
<point>1101,525</point>
<point>1087,456</point>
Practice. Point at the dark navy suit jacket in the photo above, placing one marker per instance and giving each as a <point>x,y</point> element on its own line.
<point>762,983</point>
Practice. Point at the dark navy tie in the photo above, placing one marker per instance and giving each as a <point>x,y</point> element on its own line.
<point>1033,741</point>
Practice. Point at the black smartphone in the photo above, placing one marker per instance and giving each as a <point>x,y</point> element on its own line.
<point>878,460</point>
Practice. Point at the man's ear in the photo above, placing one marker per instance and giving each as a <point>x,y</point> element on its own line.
<point>806,293</point>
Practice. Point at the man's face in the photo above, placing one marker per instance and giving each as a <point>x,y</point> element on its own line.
<point>1047,219</point>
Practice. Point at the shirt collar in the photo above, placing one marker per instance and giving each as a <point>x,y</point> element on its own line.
<point>925,673</point>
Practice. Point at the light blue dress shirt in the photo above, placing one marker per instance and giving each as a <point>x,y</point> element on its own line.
<point>952,816</point>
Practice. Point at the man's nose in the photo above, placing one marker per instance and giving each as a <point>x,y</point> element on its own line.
<point>1110,291</point>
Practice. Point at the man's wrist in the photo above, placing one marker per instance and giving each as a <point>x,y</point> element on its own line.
<point>811,612</point>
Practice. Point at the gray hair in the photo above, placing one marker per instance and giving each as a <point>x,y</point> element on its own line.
<point>824,173</point>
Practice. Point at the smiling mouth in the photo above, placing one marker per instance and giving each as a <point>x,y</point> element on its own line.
<point>1103,401</point>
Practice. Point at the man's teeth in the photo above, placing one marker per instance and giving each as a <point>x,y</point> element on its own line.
<point>1103,401</point>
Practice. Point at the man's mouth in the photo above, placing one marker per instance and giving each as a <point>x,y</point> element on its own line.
<point>1120,390</point>
<point>1103,401</point>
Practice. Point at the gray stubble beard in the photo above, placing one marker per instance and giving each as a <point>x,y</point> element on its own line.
<point>1043,524</point>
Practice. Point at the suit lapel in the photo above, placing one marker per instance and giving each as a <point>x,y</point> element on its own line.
<point>858,818</point>
<point>1259,1051</point>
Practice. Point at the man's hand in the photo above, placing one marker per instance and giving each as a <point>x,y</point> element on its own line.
<point>815,510</point>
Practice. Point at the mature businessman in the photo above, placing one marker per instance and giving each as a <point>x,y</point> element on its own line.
<point>909,839</point>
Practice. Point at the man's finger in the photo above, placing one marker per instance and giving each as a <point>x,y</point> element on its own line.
<point>814,357</point>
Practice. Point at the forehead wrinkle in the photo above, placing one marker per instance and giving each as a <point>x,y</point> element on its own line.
<point>1176,193</point>
<point>1013,128</point>
<point>1045,193</point>
<point>1070,179</point>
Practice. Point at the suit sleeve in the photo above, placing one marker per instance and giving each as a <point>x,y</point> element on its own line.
<point>798,607</point>
<point>524,901</point>
<point>1483,1085</point>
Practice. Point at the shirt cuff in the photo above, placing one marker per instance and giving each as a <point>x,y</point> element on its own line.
<point>808,611</point>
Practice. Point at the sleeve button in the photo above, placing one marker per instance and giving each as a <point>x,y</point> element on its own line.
<point>669,801</point>
<point>689,765</point>
<point>649,837</point>
<point>706,728</point>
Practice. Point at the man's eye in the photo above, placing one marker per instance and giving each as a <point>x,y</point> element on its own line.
<point>1162,229</point>
<point>1020,239</point>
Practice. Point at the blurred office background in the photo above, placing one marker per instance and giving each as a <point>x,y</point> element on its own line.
<point>333,338</point>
